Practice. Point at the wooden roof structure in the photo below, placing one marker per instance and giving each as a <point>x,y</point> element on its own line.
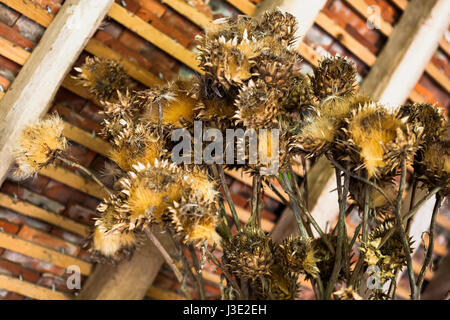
<point>43,221</point>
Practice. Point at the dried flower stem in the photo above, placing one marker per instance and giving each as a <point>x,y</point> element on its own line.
<point>429,253</point>
<point>305,182</point>
<point>342,237</point>
<point>365,233</point>
<point>165,254</point>
<point>225,272</point>
<point>411,213</point>
<point>272,187</point>
<point>256,188</point>
<point>198,275</point>
<point>285,183</point>
<point>401,230</point>
<point>381,191</point>
<point>219,171</point>
<point>85,171</point>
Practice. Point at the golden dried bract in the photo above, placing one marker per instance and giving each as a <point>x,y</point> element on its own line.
<point>149,190</point>
<point>103,77</point>
<point>38,146</point>
<point>257,105</point>
<point>194,219</point>
<point>299,255</point>
<point>281,26</point>
<point>427,116</point>
<point>390,257</point>
<point>109,241</point>
<point>316,136</point>
<point>335,76</point>
<point>249,254</point>
<point>137,144</point>
<point>301,95</point>
<point>381,138</point>
<point>177,106</point>
<point>436,166</point>
<point>346,294</point>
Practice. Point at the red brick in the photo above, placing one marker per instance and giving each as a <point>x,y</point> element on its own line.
<point>268,215</point>
<point>80,154</point>
<point>4,84</point>
<point>165,27</point>
<point>79,213</point>
<point>51,281</point>
<point>48,240</point>
<point>70,100</point>
<point>68,236</point>
<point>74,118</point>
<point>16,270</point>
<point>85,255</point>
<point>239,200</point>
<point>32,263</point>
<point>9,227</point>
<point>154,7</point>
<point>9,68</point>
<point>113,28</point>
<point>91,112</point>
<point>389,12</point>
<point>37,184</point>
<point>51,5</point>
<point>29,29</point>
<point>122,49</point>
<point>62,193</point>
<point>14,296</point>
<point>182,25</point>
<point>7,15</point>
<point>15,37</point>
<point>130,5</point>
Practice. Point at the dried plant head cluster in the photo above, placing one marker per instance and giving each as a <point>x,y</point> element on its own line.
<point>251,81</point>
<point>103,77</point>
<point>38,146</point>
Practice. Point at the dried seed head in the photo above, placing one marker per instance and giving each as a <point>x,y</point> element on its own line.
<point>103,77</point>
<point>38,145</point>
<point>335,76</point>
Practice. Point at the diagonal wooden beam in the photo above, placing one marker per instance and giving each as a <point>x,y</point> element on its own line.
<point>31,93</point>
<point>408,50</point>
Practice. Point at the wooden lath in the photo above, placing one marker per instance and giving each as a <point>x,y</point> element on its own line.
<point>29,289</point>
<point>34,250</point>
<point>386,28</point>
<point>244,6</point>
<point>36,212</point>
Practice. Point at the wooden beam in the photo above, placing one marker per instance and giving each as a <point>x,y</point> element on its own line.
<point>31,249</point>
<point>29,289</point>
<point>31,10</point>
<point>128,280</point>
<point>346,39</point>
<point>31,93</point>
<point>244,6</point>
<point>189,12</point>
<point>157,293</point>
<point>153,35</point>
<point>33,211</point>
<point>408,50</point>
<point>362,8</point>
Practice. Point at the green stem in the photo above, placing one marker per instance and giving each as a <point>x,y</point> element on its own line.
<point>430,249</point>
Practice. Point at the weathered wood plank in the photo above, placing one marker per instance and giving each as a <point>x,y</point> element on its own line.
<point>33,211</point>
<point>30,290</point>
<point>34,250</point>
